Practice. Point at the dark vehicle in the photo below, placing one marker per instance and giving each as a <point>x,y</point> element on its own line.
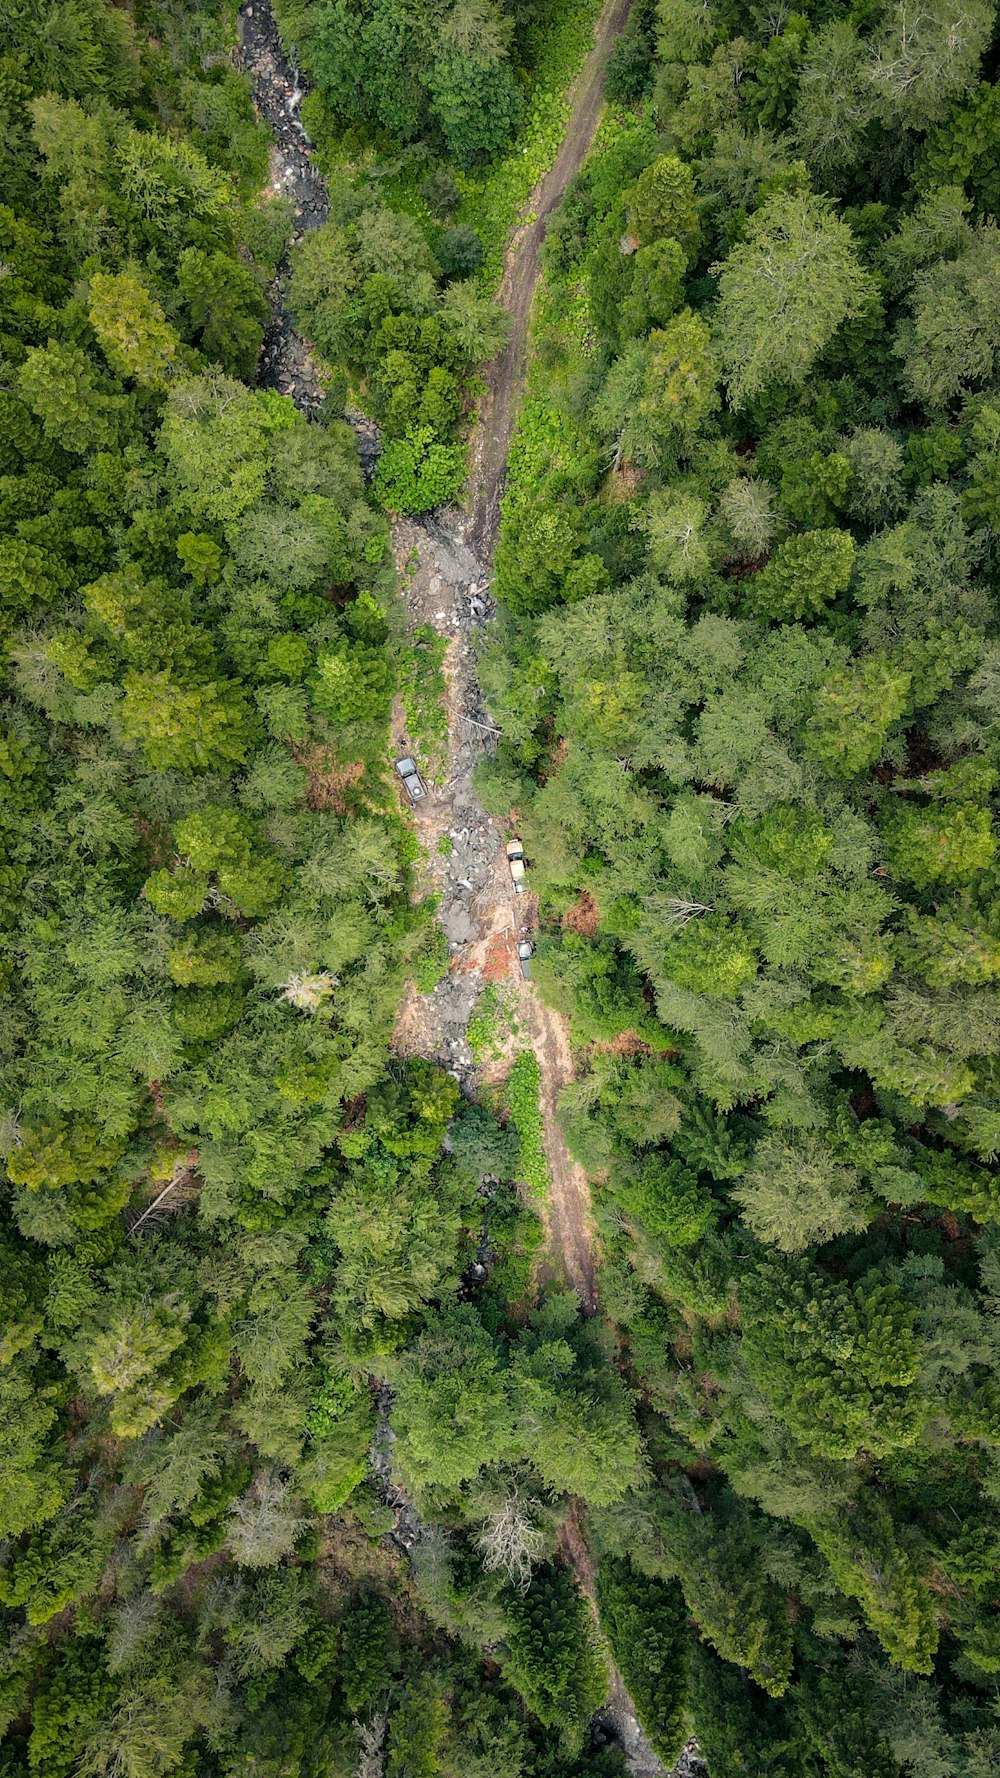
<point>413,784</point>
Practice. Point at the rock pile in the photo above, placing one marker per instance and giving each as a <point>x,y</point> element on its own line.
<point>285,361</point>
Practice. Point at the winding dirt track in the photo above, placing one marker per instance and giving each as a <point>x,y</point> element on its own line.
<point>490,442</point>
<point>567,1214</point>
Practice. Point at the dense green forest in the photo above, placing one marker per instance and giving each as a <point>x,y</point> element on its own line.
<point>746,670</point>
<point>226,1216</point>
<point>292,1448</point>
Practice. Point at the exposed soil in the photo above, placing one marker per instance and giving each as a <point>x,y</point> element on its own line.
<point>566,1212</point>
<point>583,917</point>
<point>490,444</point>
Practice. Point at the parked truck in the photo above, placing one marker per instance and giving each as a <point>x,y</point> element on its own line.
<point>411,780</point>
<point>515,862</point>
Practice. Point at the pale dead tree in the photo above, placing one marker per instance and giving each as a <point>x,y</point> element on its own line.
<point>181,1188</point>
<point>308,992</point>
<point>371,1739</point>
<point>132,1622</point>
<point>511,1542</point>
<point>680,912</point>
<point>264,1522</point>
<point>10,1130</point>
<point>472,29</point>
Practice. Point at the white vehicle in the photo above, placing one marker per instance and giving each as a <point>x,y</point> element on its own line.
<point>412,782</point>
<point>525,952</point>
<point>515,862</point>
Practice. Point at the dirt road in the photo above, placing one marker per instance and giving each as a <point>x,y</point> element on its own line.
<point>490,443</point>
<point>479,915</point>
<point>566,1213</point>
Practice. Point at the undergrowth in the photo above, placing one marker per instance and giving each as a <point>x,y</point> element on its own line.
<point>423,688</point>
<point>494,1019</point>
<point>523,1102</point>
<point>432,961</point>
<point>492,204</point>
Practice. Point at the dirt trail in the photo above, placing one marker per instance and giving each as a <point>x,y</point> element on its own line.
<point>566,1214</point>
<point>490,444</point>
<point>444,566</point>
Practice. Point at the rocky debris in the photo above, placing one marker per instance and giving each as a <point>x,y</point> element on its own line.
<point>690,1764</point>
<point>285,362</point>
<point>458,924</point>
<point>406,1524</point>
<point>618,1724</point>
<point>441,581</point>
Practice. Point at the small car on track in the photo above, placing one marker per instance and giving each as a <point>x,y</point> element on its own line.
<point>411,780</point>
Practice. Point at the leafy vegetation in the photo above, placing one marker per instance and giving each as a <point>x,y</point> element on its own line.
<point>226,1217</point>
<point>748,571</point>
<point>521,1093</point>
<point>496,1017</point>
<point>270,1311</point>
<point>423,690</point>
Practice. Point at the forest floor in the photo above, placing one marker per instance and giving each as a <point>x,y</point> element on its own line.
<point>444,567</point>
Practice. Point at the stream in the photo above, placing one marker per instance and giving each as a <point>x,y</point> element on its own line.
<point>444,584</point>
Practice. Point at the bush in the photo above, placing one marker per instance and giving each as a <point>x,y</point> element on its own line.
<point>417,472</point>
<point>432,961</point>
<point>522,1090</point>
<point>459,252</point>
<point>645,1622</point>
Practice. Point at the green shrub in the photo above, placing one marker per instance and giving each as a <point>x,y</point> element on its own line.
<point>417,472</point>
<point>522,1095</point>
<point>551,1655</point>
<point>645,1622</point>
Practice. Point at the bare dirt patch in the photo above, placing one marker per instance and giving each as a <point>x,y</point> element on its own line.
<point>622,483</point>
<point>329,780</point>
<point>567,1215</point>
<point>627,1043</point>
<point>583,917</point>
<point>500,956</point>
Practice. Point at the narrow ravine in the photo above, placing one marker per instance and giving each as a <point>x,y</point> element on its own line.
<point>444,564</point>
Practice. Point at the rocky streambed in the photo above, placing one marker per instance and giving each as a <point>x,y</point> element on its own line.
<point>442,583</point>
<point>285,361</point>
